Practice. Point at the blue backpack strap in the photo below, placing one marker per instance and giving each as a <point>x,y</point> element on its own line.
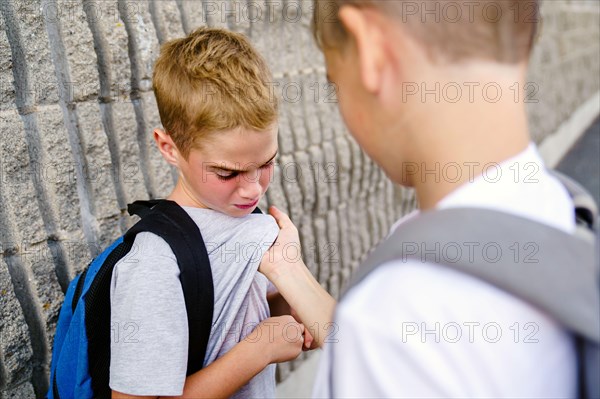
<point>170,222</point>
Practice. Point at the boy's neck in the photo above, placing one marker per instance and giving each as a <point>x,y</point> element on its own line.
<point>486,138</point>
<point>464,136</point>
<point>183,197</point>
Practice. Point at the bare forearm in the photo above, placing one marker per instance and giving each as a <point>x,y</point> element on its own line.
<point>223,377</point>
<point>226,375</point>
<point>312,303</point>
<point>268,343</point>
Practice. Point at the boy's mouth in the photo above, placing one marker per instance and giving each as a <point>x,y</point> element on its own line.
<point>247,206</point>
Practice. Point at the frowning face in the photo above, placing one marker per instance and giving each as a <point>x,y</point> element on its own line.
<point>230,173</point>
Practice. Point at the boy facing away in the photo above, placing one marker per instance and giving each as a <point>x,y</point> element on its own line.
<point>427,88</point>
<point>223,145</point>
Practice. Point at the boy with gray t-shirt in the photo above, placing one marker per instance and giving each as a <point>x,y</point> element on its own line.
<point>224,150</point>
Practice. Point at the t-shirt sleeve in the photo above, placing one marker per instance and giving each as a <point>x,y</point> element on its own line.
<point>149,330</point>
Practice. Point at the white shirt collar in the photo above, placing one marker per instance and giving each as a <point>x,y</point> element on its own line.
<point>520,185</point>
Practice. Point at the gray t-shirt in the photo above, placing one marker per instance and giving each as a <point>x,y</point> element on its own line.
<point>148,317</point>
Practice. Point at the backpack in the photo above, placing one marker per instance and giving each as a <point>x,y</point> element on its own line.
<point>81,352</point>
<point>562,278</point>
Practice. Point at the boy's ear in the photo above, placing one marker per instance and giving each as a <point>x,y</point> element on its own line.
<point>166,146</point>
<point>362,24</point>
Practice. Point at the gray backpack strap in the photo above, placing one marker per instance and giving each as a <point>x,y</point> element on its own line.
<point>586,214</point>
<point>544,266</point>
<point>552,270</point>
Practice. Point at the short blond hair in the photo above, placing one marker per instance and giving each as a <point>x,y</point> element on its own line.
<point>210,81</point>
<point>498,30</point>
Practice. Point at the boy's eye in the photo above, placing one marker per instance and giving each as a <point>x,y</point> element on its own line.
<point>234,174</point>
<point>227,177</point>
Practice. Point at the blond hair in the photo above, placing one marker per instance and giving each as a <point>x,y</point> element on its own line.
<point>210,81</point>
<point>451,31</point>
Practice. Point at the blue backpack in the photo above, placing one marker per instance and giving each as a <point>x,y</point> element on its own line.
<point>81,352</point>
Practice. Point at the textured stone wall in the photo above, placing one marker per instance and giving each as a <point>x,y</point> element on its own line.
<point>77,112</point>
<point>565,64</point>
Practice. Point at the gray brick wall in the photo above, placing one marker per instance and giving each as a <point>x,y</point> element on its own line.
<point>77,111</point>
<point>565,64</point>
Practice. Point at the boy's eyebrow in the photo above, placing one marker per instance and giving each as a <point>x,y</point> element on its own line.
<point>224,169</point>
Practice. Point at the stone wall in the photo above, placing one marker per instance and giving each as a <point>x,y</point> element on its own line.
<point>77,112</point>
<point>565,64</point>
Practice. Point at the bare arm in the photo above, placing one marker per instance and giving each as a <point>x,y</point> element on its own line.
<point>222,378</point>
<point>279,307</point>
<point>313,305</point>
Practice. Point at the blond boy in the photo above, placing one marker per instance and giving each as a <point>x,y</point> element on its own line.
<point>223,146</point>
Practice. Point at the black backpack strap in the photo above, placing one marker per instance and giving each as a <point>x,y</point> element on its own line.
<point>97,321</point>
<point>142,208</point>
<point>170,222</point>
<point>257,210</point>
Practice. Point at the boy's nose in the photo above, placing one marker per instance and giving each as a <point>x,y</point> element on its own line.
<point>250,188</point>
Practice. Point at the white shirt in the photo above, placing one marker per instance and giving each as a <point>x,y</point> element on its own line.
<point>414,329</point>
